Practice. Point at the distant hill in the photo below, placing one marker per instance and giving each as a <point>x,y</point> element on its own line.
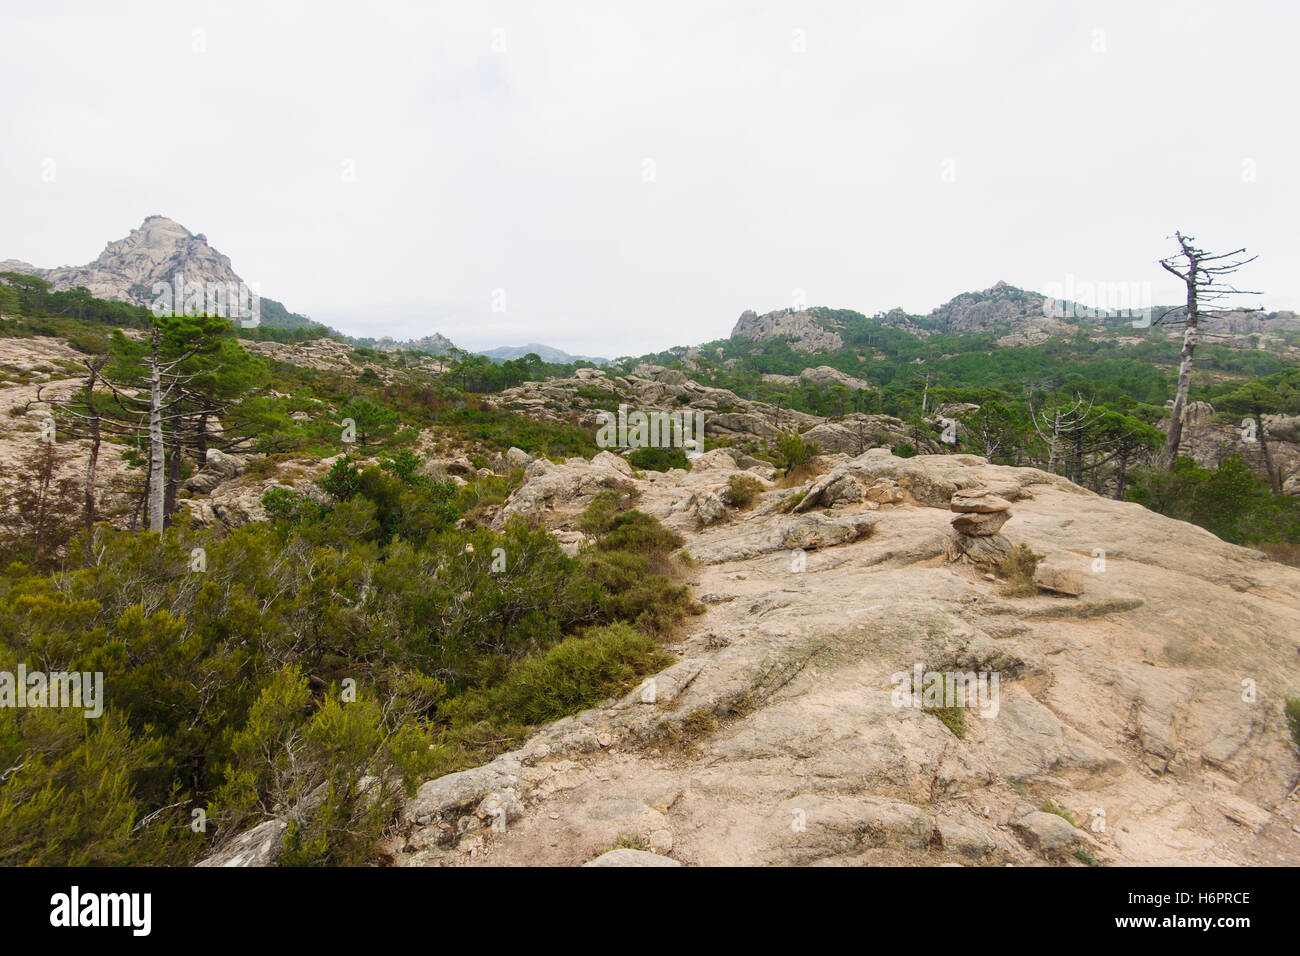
<point>435,344</point>
<point>546,353</point>
<point>158,251</point>
<point>1017,316</point>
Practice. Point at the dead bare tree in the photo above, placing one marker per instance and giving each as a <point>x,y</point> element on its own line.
<point>1204,276</point>
<point>1058,425</point>
<point>93,367</point>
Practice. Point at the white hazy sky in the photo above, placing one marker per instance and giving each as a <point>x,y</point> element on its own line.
<point>634,176</point>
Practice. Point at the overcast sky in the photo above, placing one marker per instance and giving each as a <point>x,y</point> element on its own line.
<point>625,181</point>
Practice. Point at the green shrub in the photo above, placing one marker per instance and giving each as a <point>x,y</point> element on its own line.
<point>343,480</point>
<point>794,450</point>
<point>954,718</point>
<point>1051,807</point>
<point>606,505</point>
<point>658,459</point>
<point>1230,501</point>
<point>576,673</point>
<point>91,343</point>
<point>639,533</point>
<point>742,490</point>
<point>637,588</point>
<point>1293,719</point>
<point>1018,569</point>
<point>630,841</point>
<point>71,796</point>
<point>1084,855</point>
<point>283,504</point>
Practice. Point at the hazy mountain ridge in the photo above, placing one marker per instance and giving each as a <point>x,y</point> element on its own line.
<point>1019,316</point>
<point>547,353</point>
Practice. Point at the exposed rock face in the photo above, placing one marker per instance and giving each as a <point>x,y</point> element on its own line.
<point>980,525</point>
<point>436,344</point>
<point>1126,711</point>
<point>235,499</point>
<point>219,467</point>
<point>1207,442</point>
<point>259,846</point>
<point>854,434</point>
<point>45,364</point>
<point>997,307</point>
<point>566,489</point>
<point>822,375</point>
<point>803,331</point>
<point>155,252</point>
<point>160,250</point>
<point>1047,832</point>
<point>652,388</point>
<point>326,354</point>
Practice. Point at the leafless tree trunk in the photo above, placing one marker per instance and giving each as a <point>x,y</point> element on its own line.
<point>92,460</point>
<point>1199,271</point>
<point>1059,425</point>
<point>157,480</point>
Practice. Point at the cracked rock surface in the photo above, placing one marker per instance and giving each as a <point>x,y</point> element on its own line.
<point>1121,732</point>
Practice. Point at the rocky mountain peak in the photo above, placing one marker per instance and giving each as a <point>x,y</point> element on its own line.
<point>156,251</point>
<point>800,328</point>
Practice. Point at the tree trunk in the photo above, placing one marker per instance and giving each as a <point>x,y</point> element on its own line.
<point>173,477</point>
<point>1274,479</point>
<point>1051,448</point>
<point>44,476</point>
<point>1175,436</point>
<point>201,439</point>
<point>157,453</point>
<point>92,461</point>
<point>1121,477</point>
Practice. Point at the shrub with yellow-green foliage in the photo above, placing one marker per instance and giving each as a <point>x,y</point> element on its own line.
<point>1018,569</point>
<point>576,673</point>
<point>1293,719</point>
<point>318,665</point>
<point>605,506</point>
<point>639,533</point>
<point>337,768</point>
<point>742,490</point>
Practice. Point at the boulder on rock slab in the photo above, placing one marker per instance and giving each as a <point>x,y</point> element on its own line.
<point>218,467</point>
<point>979,549</point>
<point>980,524</point>
<point>708,508</point>
<point>1046,832</point>
<point>978,501</point>
<point>1055,574</point>
<point>259,846</point>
